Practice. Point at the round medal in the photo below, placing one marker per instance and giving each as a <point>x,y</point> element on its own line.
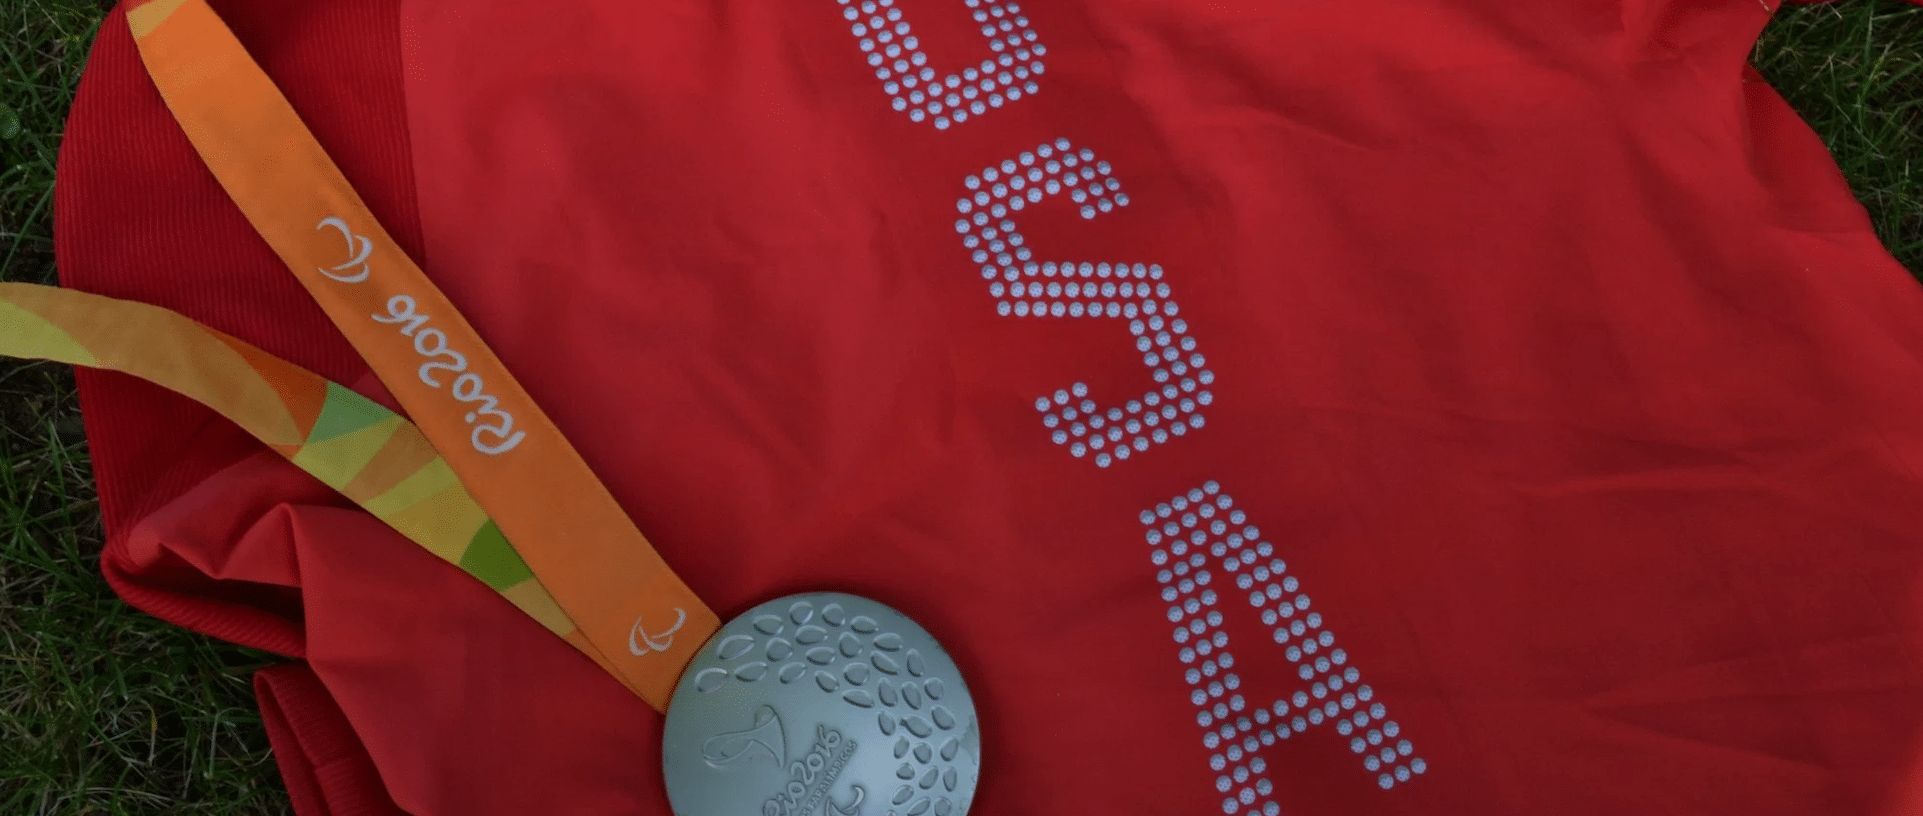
<point>821,705</point>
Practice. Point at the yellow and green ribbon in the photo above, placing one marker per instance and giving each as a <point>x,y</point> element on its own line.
<point>373,456</point>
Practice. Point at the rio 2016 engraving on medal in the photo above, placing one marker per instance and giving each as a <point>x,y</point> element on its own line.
<point>821,705</point>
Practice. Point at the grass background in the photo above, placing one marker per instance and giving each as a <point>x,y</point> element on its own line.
<point>106,711</point>
<point>103,710</point>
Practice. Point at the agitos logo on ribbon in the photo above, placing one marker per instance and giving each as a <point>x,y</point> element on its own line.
<point>519,467</point>
<point>355,270</point>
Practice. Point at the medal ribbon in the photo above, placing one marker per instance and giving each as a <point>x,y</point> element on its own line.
<point>349,442</point>
<point>643,620</point>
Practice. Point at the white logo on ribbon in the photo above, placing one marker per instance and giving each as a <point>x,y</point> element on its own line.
<point>366,248</point>
<point>655,643</point>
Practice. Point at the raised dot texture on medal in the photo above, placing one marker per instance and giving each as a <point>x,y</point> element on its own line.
<point>928,779</point>
<point>942,808</point>
<point>769,624</point>
<point>886,723</point>
<point>919,807</point>
<point>792,672</point>
<point>915,665</point>
<point>934,688</point>
<point>864,624</point>
<point>826,681</point>
<point>710,680</point>
<point>906,771</point>
<point>884,663</point>
<point>860,698</point>
<point>889,641</point>
<point>949,749</point>
<point>943,719</point>
<point>949,779</point>
<point>736,646</point>
<point>889,697</point>
<point>855,673</point>
<point>911,694</point>
<point>751,672</point>
<point>779,649</point>
<point>906,791</point>
<point>901,747</point>
<point>821,655</point>
<point>923,753</point>
<point>833,615</point>
<point>917,726</point>
<point>801,612</point>
<point>809,635</point>
<point>850,645</point>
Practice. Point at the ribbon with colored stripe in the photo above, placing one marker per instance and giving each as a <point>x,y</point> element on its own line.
<point>644,621</point>
<point>352,444</point>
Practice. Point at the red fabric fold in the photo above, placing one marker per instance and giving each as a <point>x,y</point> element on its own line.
<point>327,771</point>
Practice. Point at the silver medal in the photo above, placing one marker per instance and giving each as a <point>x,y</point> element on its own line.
<point>821,705</point>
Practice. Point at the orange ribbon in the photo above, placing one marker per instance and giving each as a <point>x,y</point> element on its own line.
<point>645,623</point>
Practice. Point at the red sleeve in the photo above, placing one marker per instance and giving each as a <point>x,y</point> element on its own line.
<point>139,217</point>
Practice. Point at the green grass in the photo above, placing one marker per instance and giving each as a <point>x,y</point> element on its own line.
<point>103,710</point>
<point>1855,72</point>
<point>106,711</point>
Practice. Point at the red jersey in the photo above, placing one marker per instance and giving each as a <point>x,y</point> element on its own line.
<point>1280,409</point>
